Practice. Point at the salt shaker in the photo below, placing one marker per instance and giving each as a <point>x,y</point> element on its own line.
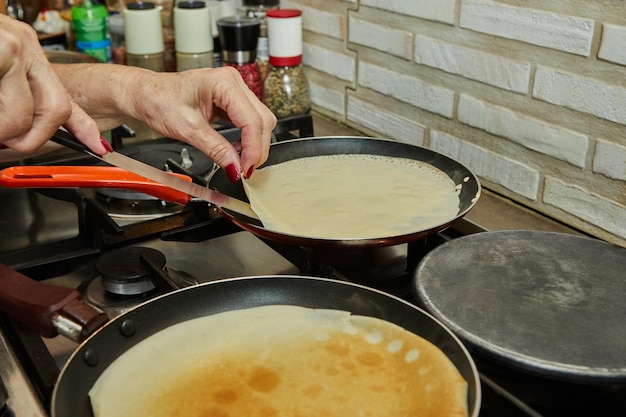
<point>239,36</point>
<point>143,35</point>
<point>286,89</point>
<point>193,37</point>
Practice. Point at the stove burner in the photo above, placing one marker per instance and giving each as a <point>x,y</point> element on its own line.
<point>124,272</point>
<point>156,154</point>
<point>122,204</point>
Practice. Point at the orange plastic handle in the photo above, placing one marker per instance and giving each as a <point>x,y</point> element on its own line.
<point>89,177</point>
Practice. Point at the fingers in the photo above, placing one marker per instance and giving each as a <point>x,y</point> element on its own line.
<point>183,105</point>
<point>16,103</point>
<point>248,113</point>
<point>85,129</point>
<point>34,103</point>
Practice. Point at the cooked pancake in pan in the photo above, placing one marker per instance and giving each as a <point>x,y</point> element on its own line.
<point>276,361</point>
<point>352,196</point>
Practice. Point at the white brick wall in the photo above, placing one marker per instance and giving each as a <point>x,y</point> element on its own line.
<point>381,120</point>
<point>406,88</point>
<point>613,47</point>
<point>393,41</point>
<point>583,94</point>
<point>610,160</point>
<point>532,133</point>
<point>320,21</point>
<point>476,65</point>
<point>331,62</point>
<point>506,172</point>
<point>551,30</point>
<point>531,96</point>
<point>439,10</point>
<point>326,98</point>
<point>586,205</point>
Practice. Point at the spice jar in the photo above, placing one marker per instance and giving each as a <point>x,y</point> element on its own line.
<point>258,9</point>
<point>238,36</point>
<point>193,37</point>
<point>286,89</point>
<point>143,35</point>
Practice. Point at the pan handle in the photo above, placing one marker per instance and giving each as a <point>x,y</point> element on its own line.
<point>89,177</point>
<point>47,309</point>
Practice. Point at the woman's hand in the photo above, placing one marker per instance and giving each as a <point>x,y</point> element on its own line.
<point>33,102</point>
<point>178,105</point>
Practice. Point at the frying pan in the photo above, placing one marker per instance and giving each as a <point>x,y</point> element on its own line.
<point>549,304</point>
<point>98,351</point>
<point>307,147</point>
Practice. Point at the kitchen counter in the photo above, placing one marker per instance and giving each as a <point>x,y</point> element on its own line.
<point>491,212</point>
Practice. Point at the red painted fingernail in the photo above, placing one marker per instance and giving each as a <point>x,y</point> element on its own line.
<point>106,144</point>
<point>233,173</point>
<point>250,171</point>
<point>3,146</point>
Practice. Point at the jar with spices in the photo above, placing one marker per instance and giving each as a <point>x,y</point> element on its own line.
<point>193,37</point>
<point>143,35</point>
<point>258,9</point>
<point>286,89</point>
<point>238,36</point>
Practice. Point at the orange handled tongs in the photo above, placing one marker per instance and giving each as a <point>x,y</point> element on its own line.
<point>90,177</point>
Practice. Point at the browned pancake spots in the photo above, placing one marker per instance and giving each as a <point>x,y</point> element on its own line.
<point>263,379</point>
<point>215,412</point>
<point>266,411</point>
<point>313,391</point>
<point>370,359</point>
<point>377,388</point>
<point>331,371</point>
<point>225,396</point>
<point>337,349</point>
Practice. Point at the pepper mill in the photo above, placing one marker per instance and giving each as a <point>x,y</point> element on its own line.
<point>239,36</point>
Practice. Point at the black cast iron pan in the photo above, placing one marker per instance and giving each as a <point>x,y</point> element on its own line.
<point>70,396</point>
<point>307,147</point>
<point>549,304</point>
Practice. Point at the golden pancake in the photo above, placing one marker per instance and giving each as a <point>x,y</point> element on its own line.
<point>281,361</point>
<point>352,196</point>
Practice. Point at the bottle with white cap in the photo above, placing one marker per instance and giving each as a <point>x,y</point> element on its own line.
<point>143,35</point>
<point>193,37</point>
<point>286,88</point>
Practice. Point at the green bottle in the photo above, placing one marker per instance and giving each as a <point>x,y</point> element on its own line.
<point>90,29</point>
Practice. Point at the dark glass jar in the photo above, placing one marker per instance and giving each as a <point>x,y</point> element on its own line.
<point>258,9</point>
<point>238,37</point>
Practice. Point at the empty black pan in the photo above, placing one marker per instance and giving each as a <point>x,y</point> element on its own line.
<point>549,304</point>
<point>307,147</point>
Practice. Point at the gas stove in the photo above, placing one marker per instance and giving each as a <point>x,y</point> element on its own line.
<point>69,237</point>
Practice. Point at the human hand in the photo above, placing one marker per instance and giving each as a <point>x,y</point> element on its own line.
<point>183,105</point>
<point>178,105</point>
<point>33,102</point>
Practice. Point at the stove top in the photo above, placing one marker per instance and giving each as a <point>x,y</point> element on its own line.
<point>61,237</point>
